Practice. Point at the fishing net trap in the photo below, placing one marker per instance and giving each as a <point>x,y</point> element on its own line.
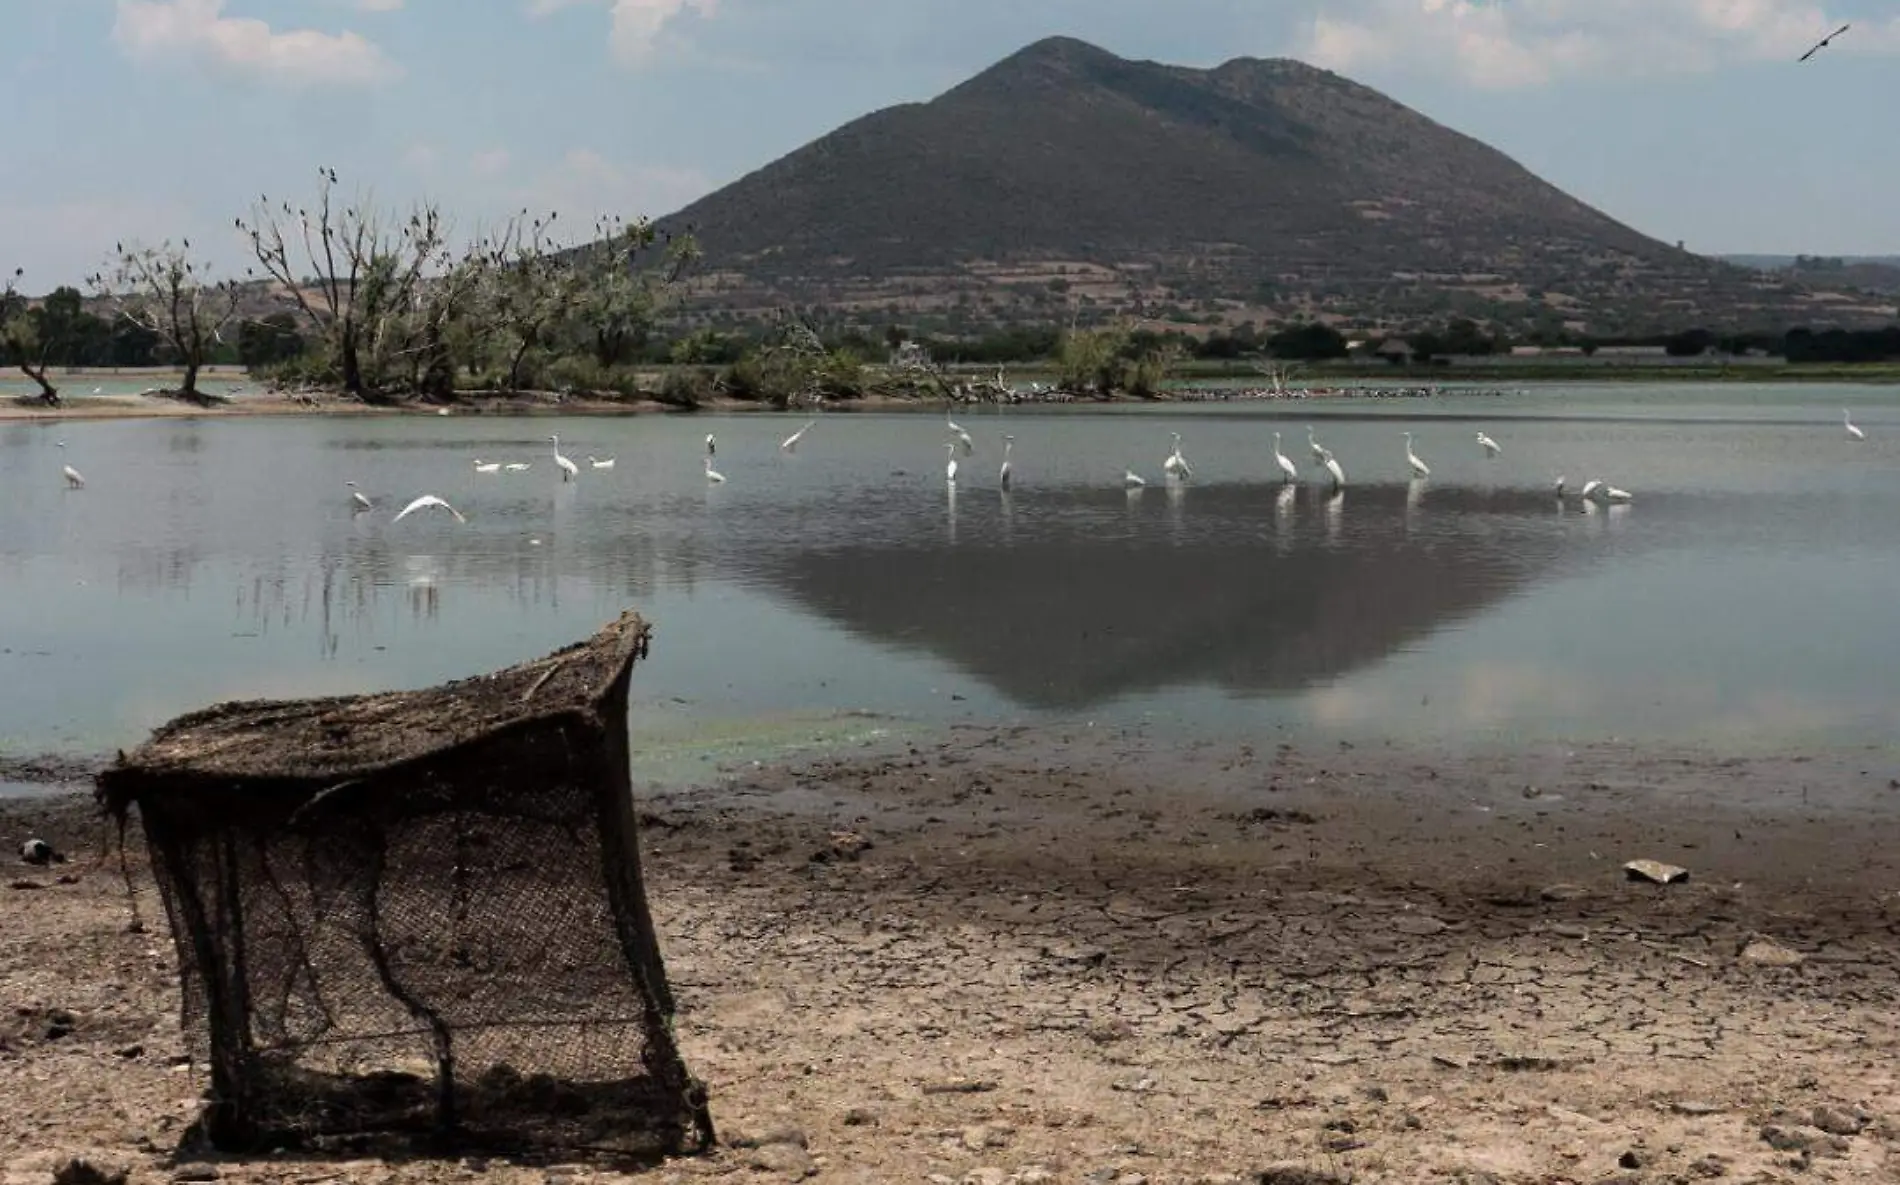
<point>420,912</point>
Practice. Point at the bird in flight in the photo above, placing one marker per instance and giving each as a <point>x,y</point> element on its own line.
<point>1822,44</point>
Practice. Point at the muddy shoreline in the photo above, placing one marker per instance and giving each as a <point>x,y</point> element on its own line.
<point>1135,961</point>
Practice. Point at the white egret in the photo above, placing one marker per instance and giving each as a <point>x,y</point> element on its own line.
<point>1338,474</point>
<point>1589,487</point>
<point>1419,468</point>
<point>1287,468</point>
<point>712,445</point>
<point>73,480</point>
<point>1560,485</point>
<point>482,466</point>
<point>956,430</point>
<point>1319,450</point>
<point>1002,475</point>
<point>1132,480</point>
<point>516,466</point>
<point>790,443</point>
<point>713,475</point>
<point>600,464</point>
<point>423,503</point>
<point>1853,433</point>
<point>569,470</point>
<point>358,498</point>
<point>950,465</point>
<point>1612,494</point>
<point>1176,465</point>
<point>1491,447</point>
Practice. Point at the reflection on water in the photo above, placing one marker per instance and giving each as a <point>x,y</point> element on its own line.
<point>1742,593</point>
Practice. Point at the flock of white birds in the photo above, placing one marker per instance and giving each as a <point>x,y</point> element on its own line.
<point>1175,466</point>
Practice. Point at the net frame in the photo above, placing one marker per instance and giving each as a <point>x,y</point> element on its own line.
<point>420,913</point>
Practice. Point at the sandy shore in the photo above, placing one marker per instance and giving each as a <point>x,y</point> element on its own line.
<point>1101,959</point>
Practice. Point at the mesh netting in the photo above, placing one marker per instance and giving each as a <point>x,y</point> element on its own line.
<point>420,913</point>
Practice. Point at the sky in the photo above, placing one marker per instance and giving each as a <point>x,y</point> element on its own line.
<point>147,120</point>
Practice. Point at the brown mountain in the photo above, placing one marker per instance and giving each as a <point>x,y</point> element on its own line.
<point>1255,188</point>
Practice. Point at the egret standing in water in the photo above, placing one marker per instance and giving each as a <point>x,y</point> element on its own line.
<point>950,462</point>
<point>1132,480</point>
<point>712,446</point>
<point>1287,469</point>
<point>1002,475</point>
<point>1853,433</point>
<point>1319,450</point>
<point>358,500</point>
<point>713,475</point>
<point>1491,447</point>
<point>1176,465</point>
<point>1419,468</point>
<point>569,470</point>
<point>1338,474</point>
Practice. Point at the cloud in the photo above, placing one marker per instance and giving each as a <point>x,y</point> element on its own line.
<point>1504,44</point>
<point>199,30</point>
<point>637,24</point>
<point>490,163</point>
<point>586,184</point>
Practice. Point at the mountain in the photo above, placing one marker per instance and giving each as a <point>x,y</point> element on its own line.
<point>1066,176</point>
<point>1870,273</point>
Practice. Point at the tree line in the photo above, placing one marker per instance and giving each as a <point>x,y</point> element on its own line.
<point>385,307</point>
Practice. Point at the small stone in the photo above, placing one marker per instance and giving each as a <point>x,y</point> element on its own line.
<point>1655,871</point>
<point>980,1138</point>
<point>776,1135</point>
<point>783,1158</point>
<point>1786,1139</point>
<point>195,1172</point>
<point>1764,952</point>
<point>1375,1092</point>
<point>1418,925</point>
<point>80,1171</point>
<point>1035,1174</point>
<point>1131,1179</point>
<point>860,1117</point>
<point>1564,892</point>
<point>1296,1174</point>
<point>984,1176</point>
<point>129,1052</point>
<point>1630,1160</point>
<point>1710,1166</point>
<point>1696,1107</point>
<point>1836,1122</point>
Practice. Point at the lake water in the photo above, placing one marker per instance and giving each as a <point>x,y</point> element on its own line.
<point>1745,597</point>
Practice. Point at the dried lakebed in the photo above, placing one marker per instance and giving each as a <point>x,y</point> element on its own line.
<point>1011,957</point>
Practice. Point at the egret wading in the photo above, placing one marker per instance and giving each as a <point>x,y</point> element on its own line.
<point>569,470</point>
<point>1002,475</point>
<point>1419,468</point>
<point>1491,447</point>
<point>358,499</point>
<point>1287,469</point>
<point>1853,433</point>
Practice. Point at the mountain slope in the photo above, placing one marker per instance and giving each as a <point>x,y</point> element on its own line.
<point>1263,183</point>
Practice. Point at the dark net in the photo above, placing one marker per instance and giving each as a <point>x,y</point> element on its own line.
<point>420,913</point>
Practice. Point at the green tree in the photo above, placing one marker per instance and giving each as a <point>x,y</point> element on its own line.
<point>22,340</point>
<point>1307,341</point>
<point>269,341</point>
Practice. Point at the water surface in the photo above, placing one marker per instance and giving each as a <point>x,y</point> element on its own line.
<point>1743,598</point>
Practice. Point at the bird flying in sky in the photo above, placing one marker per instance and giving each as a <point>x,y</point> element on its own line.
<point>1822,43</point>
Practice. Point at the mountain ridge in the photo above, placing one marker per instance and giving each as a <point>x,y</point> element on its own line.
<point>1066,179</point>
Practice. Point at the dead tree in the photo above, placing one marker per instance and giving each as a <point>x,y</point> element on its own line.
<point>347,270</point>
<point>162,291</point>
<point>20,337</point>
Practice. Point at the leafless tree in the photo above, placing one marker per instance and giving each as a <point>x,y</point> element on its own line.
<point>352,271</point>
<point>164,291</point>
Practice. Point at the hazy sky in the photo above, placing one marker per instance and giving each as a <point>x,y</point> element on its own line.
<point>142,119</point>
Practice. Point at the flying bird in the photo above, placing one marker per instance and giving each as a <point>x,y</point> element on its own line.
<point>1823,42</point>
<point>423,503</point>
<point>790,443</point>
<point>1853,433</point>
<point>1490,447</point>
<point>1132,480</point>
<point>358,499</point>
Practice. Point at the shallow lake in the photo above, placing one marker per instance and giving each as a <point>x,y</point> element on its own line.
<point>1744,597</point>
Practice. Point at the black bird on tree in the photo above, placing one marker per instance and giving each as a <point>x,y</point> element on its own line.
<point>1822,44</point>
